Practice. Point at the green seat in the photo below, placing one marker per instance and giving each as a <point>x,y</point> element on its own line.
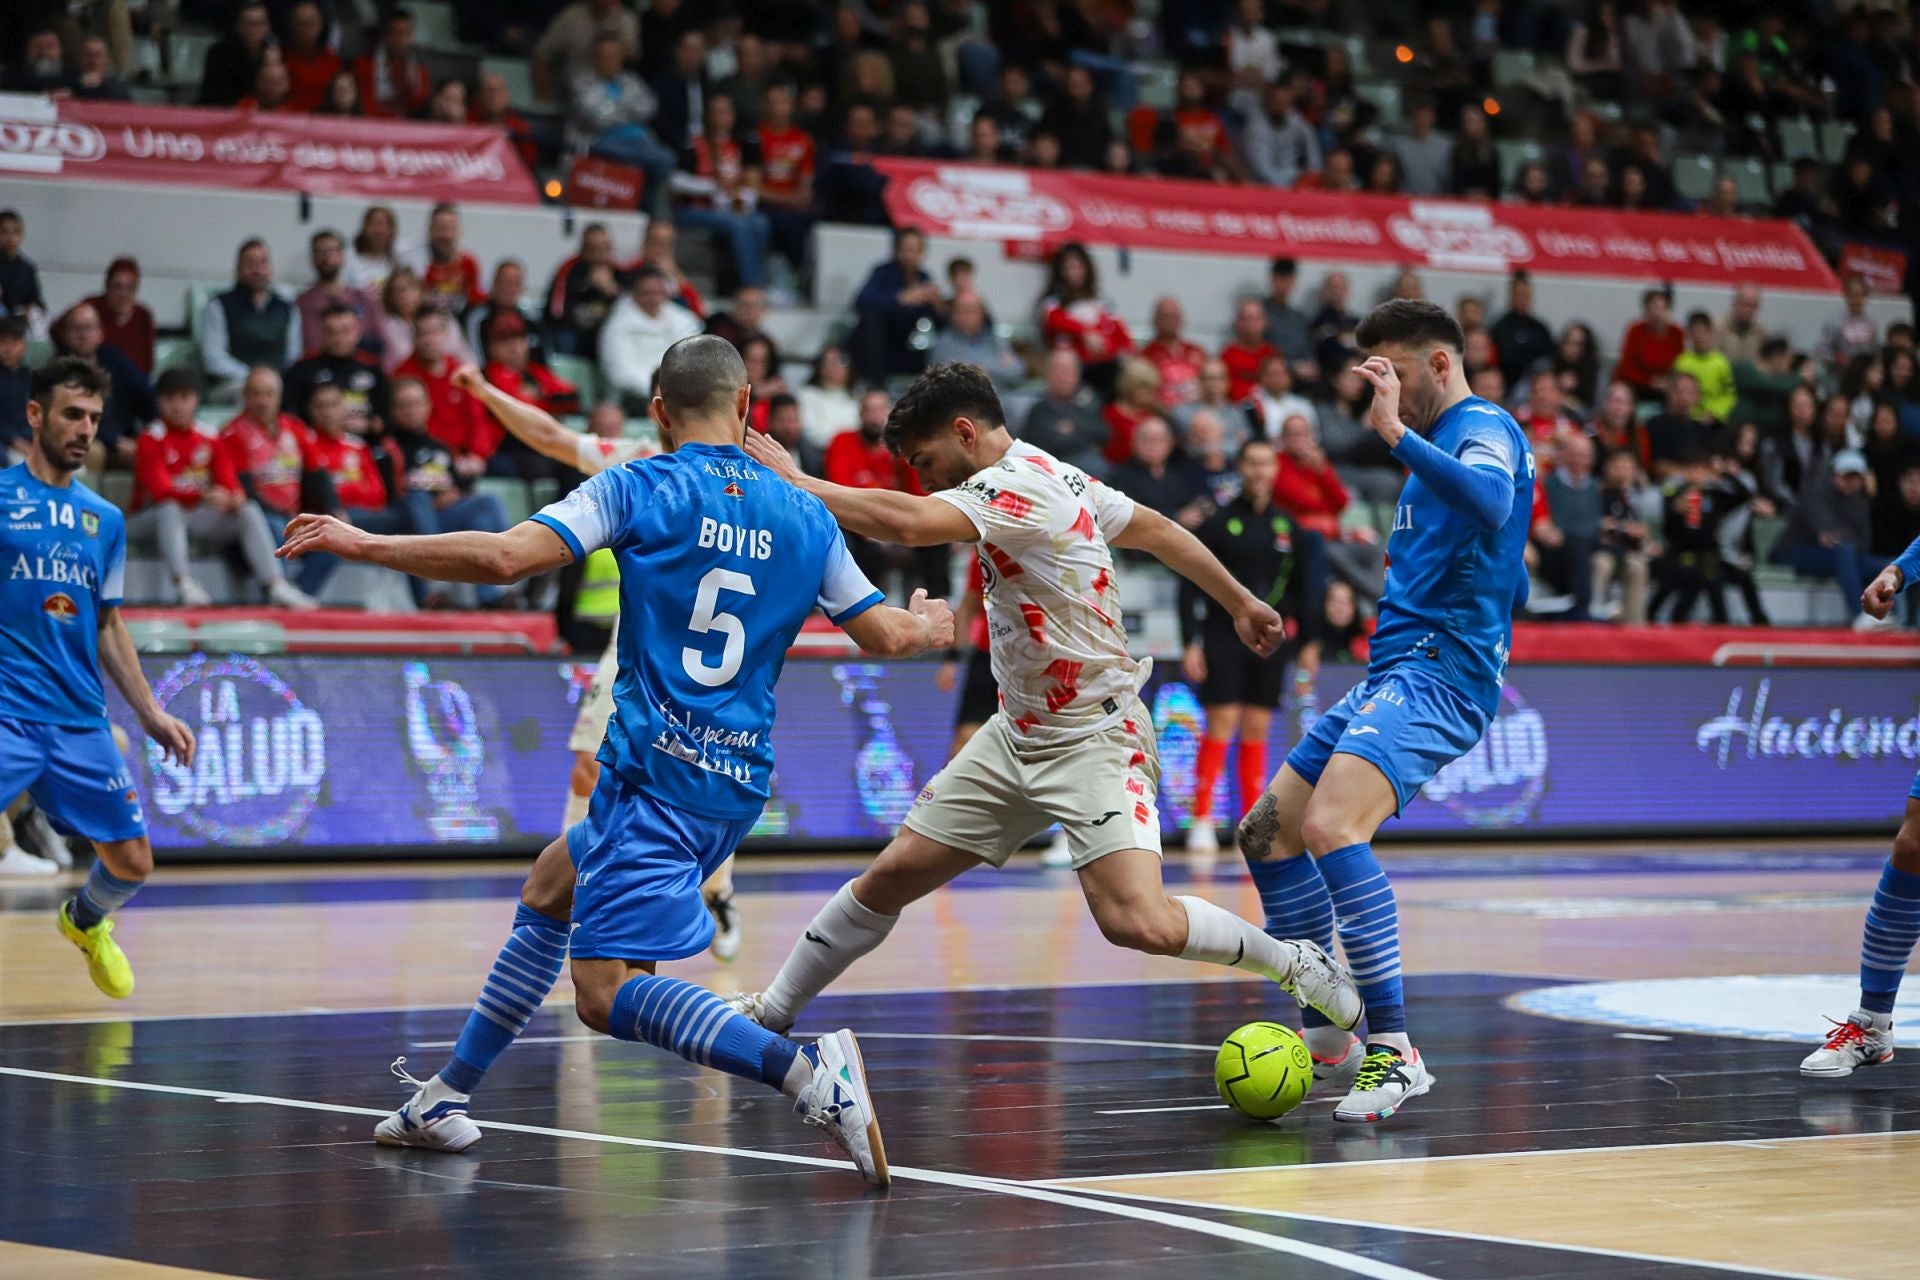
<point>1511,66</point>
<point>1358,518</point>
<point>1693,177</point>
<point>117,487</point>
<point>582,372</point>
<point>512,493</point>
<point>1766,534</point>
<point>1750,176</point>
<point>161,635</point>
<point>1514,154</point>
<point>1385,97</point>
<point>175,353</point>
<point>518,73</point>
<point>187,56</point>
<point>1834,136</point>
<point>1797,139</point>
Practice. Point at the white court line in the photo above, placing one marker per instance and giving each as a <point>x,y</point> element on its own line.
<point>1150,1111</point>
<point>1639,1035</point>
<point>1516,1241</point>
<point>1350,1263</point>
<point>887,1035</point>
<point>1760,1143</point>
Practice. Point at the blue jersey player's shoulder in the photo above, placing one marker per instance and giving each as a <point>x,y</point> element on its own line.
<point>1481,433</point>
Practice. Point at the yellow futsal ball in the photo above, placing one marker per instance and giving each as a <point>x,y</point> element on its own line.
<point>1263,1070</point>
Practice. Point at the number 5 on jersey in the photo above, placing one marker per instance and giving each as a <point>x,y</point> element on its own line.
<point>707,618</point>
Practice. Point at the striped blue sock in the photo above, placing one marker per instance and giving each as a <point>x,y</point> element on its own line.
<point>1893,925</point>
<point>521,978</point>
<point>1294,895</point>
<point>699,1026</point>
<point>102,895</point>
<point>1369,932</point>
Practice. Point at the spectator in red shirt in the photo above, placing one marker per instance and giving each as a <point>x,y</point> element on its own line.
<point>393,80</point>
<point>1136,397</point>
<point>512,368</point>
<point>1546,417</point>
<point>656,250</point>
<point>1308,488</point>
<point>1192,139</point>
<point>125,323</point>
<point>449,274</point>
<point>1651,345</point>
<point>1248,350</point>
<point>265,447</point>
<point>786,184</point>
<point>860,459</point>
<point>456,419</point>
<point>342,480</point>
<point>1072,314</point>
<point>1178,361</point>
<point>720,191</point>
<point>493,105</point>
<point>311,64</point>
<point>185,488</point>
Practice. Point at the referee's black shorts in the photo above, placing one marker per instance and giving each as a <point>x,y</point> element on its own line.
<point>1237,676</point>
<point>979,695</point>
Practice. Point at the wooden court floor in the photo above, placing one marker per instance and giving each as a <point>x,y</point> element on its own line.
<point>1614,1031</point>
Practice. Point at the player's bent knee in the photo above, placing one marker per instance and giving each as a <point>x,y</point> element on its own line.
<point>595,1009</point>
<point>128,859</point>
<point>1139,929</point>
<point>1260,835</point>
<point>586,774</point>
<point>1906,849</point>
<point>1325,829</point>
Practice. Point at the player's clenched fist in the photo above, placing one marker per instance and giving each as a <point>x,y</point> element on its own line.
<point>937,616</point>
<point>1259,628</point>
<point>1877,600</point>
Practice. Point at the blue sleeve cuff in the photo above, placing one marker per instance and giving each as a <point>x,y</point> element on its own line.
<point>853,611</point>
<point>566,534</point>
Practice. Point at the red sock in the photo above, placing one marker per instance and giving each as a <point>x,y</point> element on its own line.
<point>1206,774</point>
<point>1253,773</point>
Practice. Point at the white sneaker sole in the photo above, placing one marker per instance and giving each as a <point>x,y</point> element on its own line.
<point>876,1148</point>
<point>1374,1117</point>
<point>1841,1073</point>
<point>452,1135</point>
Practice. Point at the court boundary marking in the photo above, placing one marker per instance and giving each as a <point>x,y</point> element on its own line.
<point>1629,1255</point>
<point>1349,1263</point>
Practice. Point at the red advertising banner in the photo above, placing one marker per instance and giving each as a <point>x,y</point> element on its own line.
<point>321,155</point>
<point>1884,270</point>
<point>1050,207</point>
<point>594,182</point>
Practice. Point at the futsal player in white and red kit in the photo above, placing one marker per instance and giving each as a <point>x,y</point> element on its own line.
<point>1071,743</point>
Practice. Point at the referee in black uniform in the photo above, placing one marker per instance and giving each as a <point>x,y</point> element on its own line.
<point>1269,555</point>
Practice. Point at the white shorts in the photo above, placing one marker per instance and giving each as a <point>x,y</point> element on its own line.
<point>995,796</point>
<point>590,726</point>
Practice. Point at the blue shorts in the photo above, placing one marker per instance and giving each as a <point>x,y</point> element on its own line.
<point>638,867</point>
<point>75,775</point>
<point>1404,722</point>
<point>1913,792</point>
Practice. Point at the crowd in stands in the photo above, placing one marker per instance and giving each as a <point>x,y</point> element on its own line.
<point>1676,458</point>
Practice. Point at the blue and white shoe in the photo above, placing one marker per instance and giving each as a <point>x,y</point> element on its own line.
<point>836,1099</point>
<point>434,1119</point>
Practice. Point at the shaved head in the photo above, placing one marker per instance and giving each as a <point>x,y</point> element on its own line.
<point>701,375</point>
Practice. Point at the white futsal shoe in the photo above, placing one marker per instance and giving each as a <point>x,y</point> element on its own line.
<point>1386,1081</point>
<point>726,926</point>
<point>15,861</point>
<point>1317,979</point>
<point>434,1118</point>
<point>752,1006</point>
<point>1202,838</point>
<point>1863,1040</point>
<point>1339,1071</point>
<point>836,1100</point>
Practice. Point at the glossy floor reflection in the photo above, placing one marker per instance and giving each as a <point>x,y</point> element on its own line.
<point>1063,1126</point>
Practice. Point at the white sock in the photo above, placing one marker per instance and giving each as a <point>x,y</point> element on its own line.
<point>1878,1021</point>
<point>1396,1040</point>
<point>799,1075</point>
<point>1217,936</point>
<point>576,810</point>
<point>1329,1044</point>
<point>842,933</point>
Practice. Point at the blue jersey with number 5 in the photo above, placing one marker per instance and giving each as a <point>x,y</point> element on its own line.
<point>65,555</point>
<point>721,561</point>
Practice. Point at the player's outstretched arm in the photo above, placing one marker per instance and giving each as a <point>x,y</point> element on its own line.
<point>537,429</point>
<point>887,632</point>
<point>496,559</point>
<point>1172,545</point>
<point>1877,600</point>
<point>1483,494</point>
<point>121,661</point>
<point>882,514</point>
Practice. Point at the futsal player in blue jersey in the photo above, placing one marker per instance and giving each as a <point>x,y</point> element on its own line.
<point>1454,577</point>
<point>1865,1039</point>
<point>721,562</point>
<point>64,550</point>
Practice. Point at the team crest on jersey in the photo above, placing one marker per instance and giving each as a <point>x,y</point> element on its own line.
<point>60,606</point>
<point>734,491</point>
<point>90,523</point>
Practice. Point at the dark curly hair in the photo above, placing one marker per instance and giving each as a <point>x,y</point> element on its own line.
<point>1409,322</point>
<point>936,398</point>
